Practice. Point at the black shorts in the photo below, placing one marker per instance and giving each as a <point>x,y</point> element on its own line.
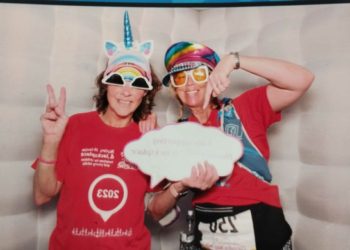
<point>271,230</point>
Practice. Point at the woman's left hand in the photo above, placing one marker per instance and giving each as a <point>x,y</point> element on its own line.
<point>219,79</point>
<point>203,176</point>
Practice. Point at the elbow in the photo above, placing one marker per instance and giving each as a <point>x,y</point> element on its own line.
<point>158,213</point>
<point>44,192</point>
<point>307,80</point>
<point>154,212</point>
<point>156,217</point>
<point>159,216</point>
<point>166,219</point>
<point>40,199</point>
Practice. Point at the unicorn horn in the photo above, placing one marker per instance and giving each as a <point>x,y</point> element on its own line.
<point>127,31</point>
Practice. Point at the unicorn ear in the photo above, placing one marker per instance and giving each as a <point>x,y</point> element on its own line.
<point>110,48</point>
<point>146,48</point>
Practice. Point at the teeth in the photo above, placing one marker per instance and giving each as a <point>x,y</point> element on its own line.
<point>124,101</point>
<point>191,92</point>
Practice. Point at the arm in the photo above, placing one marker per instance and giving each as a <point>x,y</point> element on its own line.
<point>45,185</point>
<point>164,201</point>
<point>287,81</point>
<point>202,177</point>
<point>53,121</point>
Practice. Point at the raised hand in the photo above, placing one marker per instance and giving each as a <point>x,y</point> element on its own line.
<point>54,120</point>
<point>203,176</point>
<point>219,79</point>
<point>149,123</point>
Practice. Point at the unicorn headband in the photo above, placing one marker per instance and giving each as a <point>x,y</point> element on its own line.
<point>129,54</point>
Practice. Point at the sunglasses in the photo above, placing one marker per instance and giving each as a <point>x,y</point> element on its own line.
<point>199,76</point>
<point>138,82</point>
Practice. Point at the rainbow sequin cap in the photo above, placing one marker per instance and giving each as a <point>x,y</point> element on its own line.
<point>129,52</point>
<point>188,55</point>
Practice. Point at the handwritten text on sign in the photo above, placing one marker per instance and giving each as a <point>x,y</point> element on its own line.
<point>172,151</point>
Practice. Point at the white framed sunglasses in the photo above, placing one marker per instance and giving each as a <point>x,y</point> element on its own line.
<point>139,82</point>
<point>199,75</point>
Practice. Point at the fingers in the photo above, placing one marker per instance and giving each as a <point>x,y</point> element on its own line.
<point>212,173</point>
<point>61,106</point>
<point>219,83</point>
<point>142,127</point>
<point>51,97</point>
<point>197,171</point>
<point>149,123</point>
<point>154,122</point>
<point>208,91</point>
<point>201,170</point>
<point>54,106</point>
<point>52,116</point>
<point>215,86</point>
<point>203,176</point>
<point>192,181</point>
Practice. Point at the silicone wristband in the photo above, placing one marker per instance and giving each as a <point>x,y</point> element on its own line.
<point>41,160</point>
<point>175,193</point>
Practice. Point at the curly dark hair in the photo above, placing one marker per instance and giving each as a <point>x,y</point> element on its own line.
<point>142,110</point>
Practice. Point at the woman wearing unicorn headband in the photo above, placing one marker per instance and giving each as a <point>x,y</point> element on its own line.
<point>241,211</point>
<point>101,203</point>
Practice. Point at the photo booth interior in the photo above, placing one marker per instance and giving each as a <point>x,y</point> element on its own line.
<point>62,45</point>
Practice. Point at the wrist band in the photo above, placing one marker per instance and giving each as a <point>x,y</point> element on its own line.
<point>237,61</point>
<point>173,191</point>
<point>41,160</point>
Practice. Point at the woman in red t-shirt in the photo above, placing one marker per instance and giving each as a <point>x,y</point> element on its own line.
<point>101,194</point>
<point>241,211</point>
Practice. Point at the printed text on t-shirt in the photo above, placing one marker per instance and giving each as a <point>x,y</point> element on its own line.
<point>96,157</point>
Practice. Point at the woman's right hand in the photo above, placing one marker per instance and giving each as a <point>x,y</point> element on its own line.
<point>54,120</point>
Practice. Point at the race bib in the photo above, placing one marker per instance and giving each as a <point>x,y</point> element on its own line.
<point>229,233</point>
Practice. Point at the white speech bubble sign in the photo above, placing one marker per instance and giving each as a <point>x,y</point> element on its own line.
<point>106,214</point>
<point>172,151</point>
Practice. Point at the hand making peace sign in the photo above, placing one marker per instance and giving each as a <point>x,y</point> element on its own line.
<point>54,120</point>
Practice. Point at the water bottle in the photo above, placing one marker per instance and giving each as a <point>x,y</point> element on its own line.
<point>187,238</point>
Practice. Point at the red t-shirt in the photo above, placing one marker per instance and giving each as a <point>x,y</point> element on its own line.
<point>244,188</point>
<point>101,203</point>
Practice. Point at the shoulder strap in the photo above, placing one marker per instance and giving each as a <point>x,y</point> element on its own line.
<point>252,158</point>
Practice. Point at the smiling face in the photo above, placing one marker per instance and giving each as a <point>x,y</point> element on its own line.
<point>123,101</point>
<point>192,94</point>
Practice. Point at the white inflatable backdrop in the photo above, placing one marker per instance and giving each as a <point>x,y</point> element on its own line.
<point>63,45</point>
